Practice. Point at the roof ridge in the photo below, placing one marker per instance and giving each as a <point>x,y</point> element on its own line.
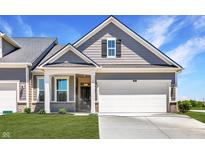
<point>35,37</point>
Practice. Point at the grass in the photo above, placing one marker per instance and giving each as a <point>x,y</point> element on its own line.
<point>55,126</point>
<point>198,108</point>
<point>196,115</point>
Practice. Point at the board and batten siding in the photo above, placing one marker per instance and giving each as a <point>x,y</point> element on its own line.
<point>132,52</point>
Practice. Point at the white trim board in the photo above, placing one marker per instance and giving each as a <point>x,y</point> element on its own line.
<point>37,88</point>
<point>113,20</point>
<point>55,88</point>
<point>10,40</point>
<point>111,39</point>
<point>136,70</point>
<point>14,65</point>
<point>27,86</point>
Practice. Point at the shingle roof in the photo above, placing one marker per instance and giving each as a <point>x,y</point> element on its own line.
<point>55,49</point>
<point>31,49</point>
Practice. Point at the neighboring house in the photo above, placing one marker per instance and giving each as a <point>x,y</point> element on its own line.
<point>110,69</point>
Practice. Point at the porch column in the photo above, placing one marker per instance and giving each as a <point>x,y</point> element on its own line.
<point>92,93</point>
<point>47,93</point>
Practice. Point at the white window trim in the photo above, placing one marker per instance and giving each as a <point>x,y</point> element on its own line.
<point>55,88</point>
<point>38,78</point>
<point>111,39</point>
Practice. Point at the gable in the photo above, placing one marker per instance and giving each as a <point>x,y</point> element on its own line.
<point>69,57</point>
<point>135,36</point>
<point>132,52</point>
<point>6,47</point>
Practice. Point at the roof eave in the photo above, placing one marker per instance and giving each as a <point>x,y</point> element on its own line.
<point>10,40</point>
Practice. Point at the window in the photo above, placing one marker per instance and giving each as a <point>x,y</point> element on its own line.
<point>61,90</point>
<point>111,48</point>
<point>40,89</point>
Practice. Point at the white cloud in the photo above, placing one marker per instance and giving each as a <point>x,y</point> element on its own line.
<point>200,23</point>
<point>5,27</point>
<point>158,30</point>
<point>26,28</point>
<point>184,53</point>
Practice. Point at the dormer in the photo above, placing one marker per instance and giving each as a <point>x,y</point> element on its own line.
<point>7,45</point>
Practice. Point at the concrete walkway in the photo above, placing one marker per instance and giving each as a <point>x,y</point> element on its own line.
<point>159,126</point>
<point>202,111</point>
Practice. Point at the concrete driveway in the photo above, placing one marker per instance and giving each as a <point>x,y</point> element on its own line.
<point>151,126</point>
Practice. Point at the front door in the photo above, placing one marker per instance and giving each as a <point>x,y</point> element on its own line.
<point>84,102</point>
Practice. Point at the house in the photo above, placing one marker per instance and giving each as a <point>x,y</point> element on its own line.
<point>109,70</point>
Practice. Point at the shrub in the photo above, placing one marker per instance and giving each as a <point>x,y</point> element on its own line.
<point>184,106</point>
<point>27,110</point>
<point>196,104</point>
<point>42,111</point>
<point>62,111</point>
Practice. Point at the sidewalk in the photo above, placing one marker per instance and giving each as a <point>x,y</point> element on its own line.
<point>203,111</point>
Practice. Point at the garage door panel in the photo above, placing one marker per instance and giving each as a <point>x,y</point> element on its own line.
<point>126,96</point>
<point>7,97</point>
<point>132,103</point>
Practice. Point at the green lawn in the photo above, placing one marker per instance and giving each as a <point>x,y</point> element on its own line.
<point>198,108</point>
<point>196,115</point>
<point>33,126</point>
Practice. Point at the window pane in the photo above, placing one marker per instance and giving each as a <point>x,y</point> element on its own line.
<point>41,84</point>
<point>61,96</point>
<point>62,84</point>
<point>111,43</point>
<point>41,96</point>
<point>111,52</point>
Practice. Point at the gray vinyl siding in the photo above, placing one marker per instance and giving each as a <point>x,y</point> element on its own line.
<point>132,52</point>
<point>136,76</point>
<point>15,74</point>
<point>6,47</point>
<point>69,57</point>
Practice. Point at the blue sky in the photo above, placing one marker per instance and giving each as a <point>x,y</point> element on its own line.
<point>180,37</point>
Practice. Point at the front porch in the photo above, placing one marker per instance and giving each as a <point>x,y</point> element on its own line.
<point>70,89</point>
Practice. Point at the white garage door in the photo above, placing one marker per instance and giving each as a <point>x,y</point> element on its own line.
<point>7,97</point>
<point>132,96</point>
